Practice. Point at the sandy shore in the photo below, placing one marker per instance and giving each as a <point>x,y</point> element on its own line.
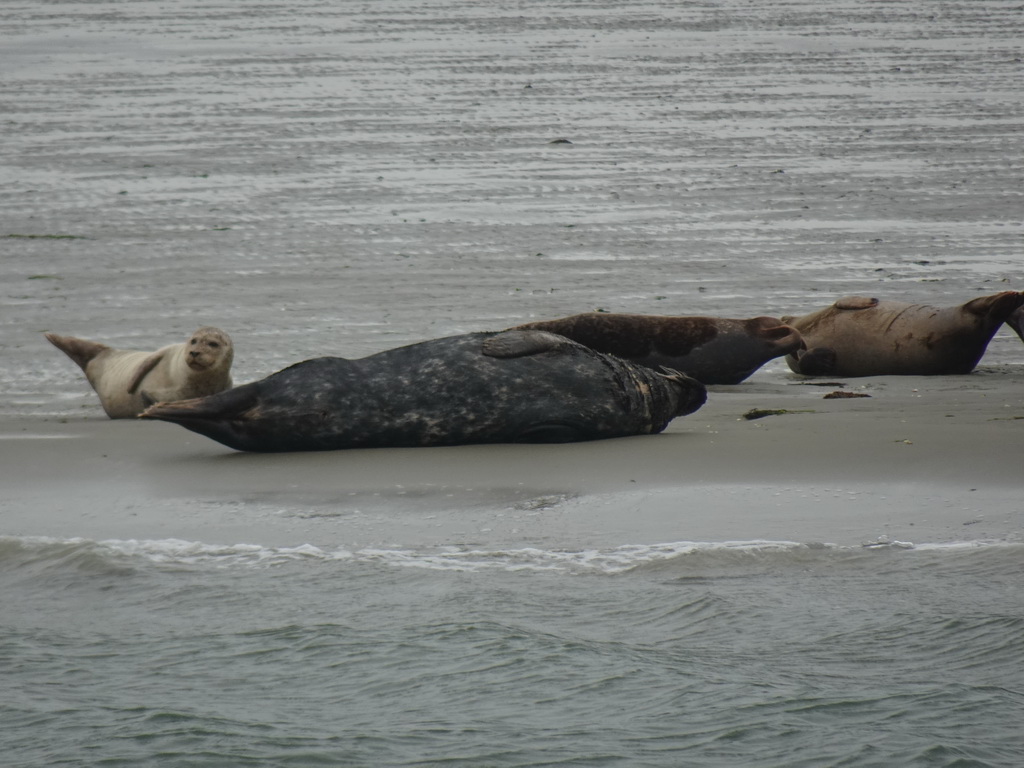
<point>920,460</point>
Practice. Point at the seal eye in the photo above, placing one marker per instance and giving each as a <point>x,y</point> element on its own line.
<point>214,345</point>
<point>193,342</point>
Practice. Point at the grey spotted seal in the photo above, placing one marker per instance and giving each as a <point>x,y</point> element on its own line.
<point>128,381</point>
<point>713,350</point>
<point>514,387</point>
<point>862,336</point>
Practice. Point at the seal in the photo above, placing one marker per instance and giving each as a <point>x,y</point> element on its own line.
<point>515,387</point>
<point>1016,322</point>
<point>128,381</point>
<point>712,350</point>
<point>861,336</point>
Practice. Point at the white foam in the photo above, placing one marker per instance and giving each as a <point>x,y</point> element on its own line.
<point>190,552</point>
<point>607,561</point>
<point>613,560</point>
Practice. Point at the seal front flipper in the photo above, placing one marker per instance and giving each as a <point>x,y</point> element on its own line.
<point>81,351</point>
<point>856,302</point>
<point>820,361</point>
<point>553,432</point>
<point>153,396</point>
<point>144,368</point>
<point>509,344</point>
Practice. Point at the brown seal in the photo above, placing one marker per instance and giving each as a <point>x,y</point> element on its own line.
<point>712,350</point>
<point>128,381</point>
<point>860,336</point>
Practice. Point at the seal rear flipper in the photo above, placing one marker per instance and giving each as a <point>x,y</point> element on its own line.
<point>1000,306</point>
<point>820,361</point>
<point>514,343</point>
<point>220,407</point>
<point>81,351</point>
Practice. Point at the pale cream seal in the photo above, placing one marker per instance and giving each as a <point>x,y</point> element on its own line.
<point>128,381</point>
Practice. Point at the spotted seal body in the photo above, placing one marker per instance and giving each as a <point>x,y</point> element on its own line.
<point>712,350</point>
<point>861,336</point>
<point>476,388</point>
<point>129,380</point>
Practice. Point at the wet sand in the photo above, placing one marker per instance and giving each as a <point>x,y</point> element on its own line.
<point>324,180</point>
<point>920,460</point>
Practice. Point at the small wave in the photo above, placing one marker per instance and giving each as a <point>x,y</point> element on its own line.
<point>27,550</point>
<point>611,560</point>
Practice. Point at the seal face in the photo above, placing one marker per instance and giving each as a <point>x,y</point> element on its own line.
<point>520,386</point>
<point>712,350</point>
<point>128,381</point>
<point>861,336</point>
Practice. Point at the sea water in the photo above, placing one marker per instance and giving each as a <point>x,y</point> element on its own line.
<point>754,653</point>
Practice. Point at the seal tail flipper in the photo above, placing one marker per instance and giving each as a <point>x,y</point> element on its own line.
<point>779,332</point>
<point>220,407</point>
<point>79,350</point>
<point>1000,306</point>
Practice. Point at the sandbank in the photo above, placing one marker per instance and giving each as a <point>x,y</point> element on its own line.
<point>919,460</point>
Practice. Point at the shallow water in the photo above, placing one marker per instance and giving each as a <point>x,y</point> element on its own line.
<point>743,653</point>
<point>340,178</point>
<point>325,179</point>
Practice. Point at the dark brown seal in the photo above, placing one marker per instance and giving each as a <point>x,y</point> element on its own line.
<point>712,350</point>
<point>860,336</point>
<point>519,386</point>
